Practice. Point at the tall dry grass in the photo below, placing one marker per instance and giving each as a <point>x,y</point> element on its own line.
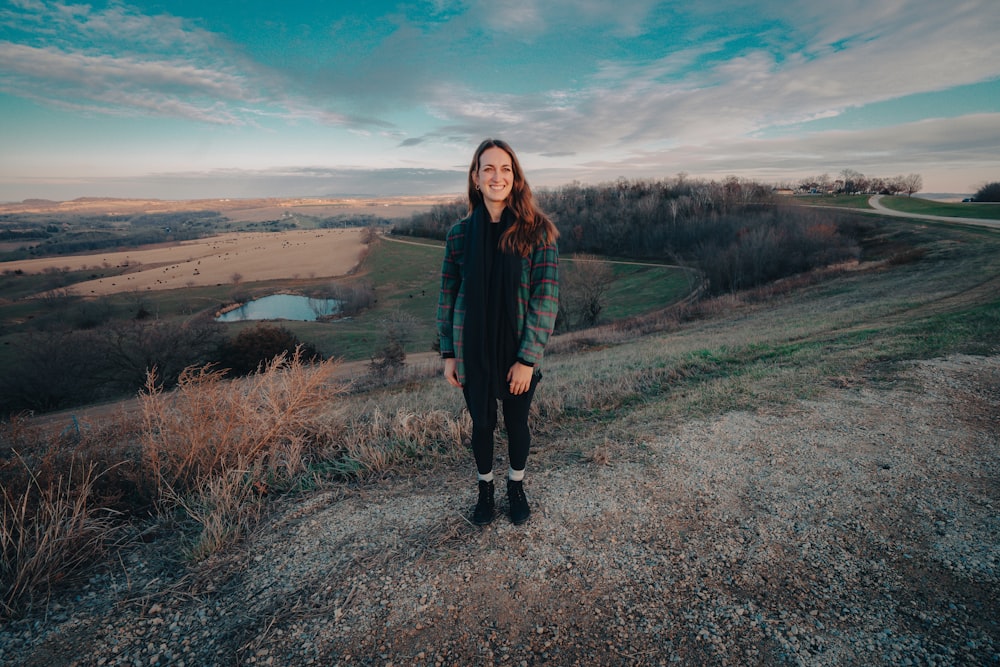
<point>63,501</point>
<point>49,532</point>
<point>214,448</point>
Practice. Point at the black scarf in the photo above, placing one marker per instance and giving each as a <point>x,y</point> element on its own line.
<point>491,341</point>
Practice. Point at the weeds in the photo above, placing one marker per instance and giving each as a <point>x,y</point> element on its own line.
<point>375,441</point>
<point>213,448</point>
<point>48,533</point>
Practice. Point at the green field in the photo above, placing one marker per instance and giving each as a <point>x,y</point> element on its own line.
<point>984,211</point>
<point>839,201</point>
<point>972,210</point>
<point>404,273</point>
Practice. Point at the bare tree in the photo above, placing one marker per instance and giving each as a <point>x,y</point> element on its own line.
<point>396,332</point>
<point>584,282</point>
<point>912,183</point>
<point>239,296</point>
<point>853,181</point>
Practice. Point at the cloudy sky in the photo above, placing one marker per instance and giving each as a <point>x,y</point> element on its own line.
<point>179,99</point>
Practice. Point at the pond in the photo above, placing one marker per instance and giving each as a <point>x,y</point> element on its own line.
<point>282,307</point>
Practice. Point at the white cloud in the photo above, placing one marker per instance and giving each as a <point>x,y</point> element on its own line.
<point>965,145</point>
<point>119,84</point>
<point>870,55</point>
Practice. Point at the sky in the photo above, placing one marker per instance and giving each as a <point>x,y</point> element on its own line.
<point>183,99</point>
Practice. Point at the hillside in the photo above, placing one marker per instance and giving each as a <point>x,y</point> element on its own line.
<point>806,474</point>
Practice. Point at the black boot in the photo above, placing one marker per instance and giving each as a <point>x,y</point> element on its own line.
<point>519,510</point>
<point>486,507</point>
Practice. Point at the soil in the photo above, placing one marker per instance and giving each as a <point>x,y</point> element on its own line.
<point>858,528</point>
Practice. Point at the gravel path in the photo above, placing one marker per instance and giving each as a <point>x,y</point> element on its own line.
<point>875,201</point>
<point>857,529</point>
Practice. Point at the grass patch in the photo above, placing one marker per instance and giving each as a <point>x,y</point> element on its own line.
<point>406,276</point>
<point>975,330</point>
<point>951,210</point>
<point>638,289</point>
<point>839,201</point>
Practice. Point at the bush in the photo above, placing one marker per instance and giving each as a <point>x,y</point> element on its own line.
<point>254,348</point>
<point>353,298</point>
<point>989,192</point>
<point>396,332</point>
<point>214,448</point>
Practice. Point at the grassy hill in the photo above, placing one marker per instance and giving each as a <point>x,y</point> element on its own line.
<point>659,530</point>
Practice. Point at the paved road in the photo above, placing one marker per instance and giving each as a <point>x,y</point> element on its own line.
<point>876,203</point>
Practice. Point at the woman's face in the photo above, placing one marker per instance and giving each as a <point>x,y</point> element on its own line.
<point>495,175</point>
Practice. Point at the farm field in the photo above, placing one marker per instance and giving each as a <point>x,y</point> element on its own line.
<point>254,256</point>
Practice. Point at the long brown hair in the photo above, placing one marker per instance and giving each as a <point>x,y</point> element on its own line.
<point>531,227</point>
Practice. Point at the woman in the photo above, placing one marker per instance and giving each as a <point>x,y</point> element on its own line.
<point>497,307</point>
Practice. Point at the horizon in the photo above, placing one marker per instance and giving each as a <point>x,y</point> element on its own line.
<point>348,197</point>
<point>191,100</point>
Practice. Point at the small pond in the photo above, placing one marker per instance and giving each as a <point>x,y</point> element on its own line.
<point>282,307</point>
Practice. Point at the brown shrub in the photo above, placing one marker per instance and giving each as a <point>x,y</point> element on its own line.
<point>214,448</point>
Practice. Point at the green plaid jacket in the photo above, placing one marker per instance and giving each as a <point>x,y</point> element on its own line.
<point>537,299</point>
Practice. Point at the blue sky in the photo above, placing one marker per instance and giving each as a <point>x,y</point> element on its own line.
<point>178,99</point>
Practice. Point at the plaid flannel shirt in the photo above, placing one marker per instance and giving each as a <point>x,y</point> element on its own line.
<point>537,299</point>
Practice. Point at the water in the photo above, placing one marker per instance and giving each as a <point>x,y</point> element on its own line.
<point>282,307</point>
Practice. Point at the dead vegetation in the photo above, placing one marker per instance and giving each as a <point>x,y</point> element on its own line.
<point>202,459</point>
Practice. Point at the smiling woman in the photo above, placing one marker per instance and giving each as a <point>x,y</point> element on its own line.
<point>496,310</point>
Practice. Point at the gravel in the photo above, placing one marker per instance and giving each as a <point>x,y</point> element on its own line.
<point>860,528</point>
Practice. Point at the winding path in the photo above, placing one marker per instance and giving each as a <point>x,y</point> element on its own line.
<point>875,202</point>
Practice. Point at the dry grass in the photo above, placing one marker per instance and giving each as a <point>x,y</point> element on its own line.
<point>376,441</point>
<point>215,448</point>
<point>205,457</point>
<point>48,533</point>
<point>255,256</point>
<point>64,501</point>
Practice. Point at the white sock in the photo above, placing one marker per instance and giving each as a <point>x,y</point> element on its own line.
<point>515,475</point>
<point>488,477</point>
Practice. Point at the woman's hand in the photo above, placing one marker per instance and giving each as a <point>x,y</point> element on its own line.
<point>451,372</point>
<point>519,378</point>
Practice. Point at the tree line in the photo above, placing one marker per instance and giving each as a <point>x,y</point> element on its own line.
<point>737,233</point>
<point>853,182</point>
<point>66,367</point>
<point>81,234</point>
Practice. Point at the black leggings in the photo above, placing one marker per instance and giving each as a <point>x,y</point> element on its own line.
<point>515,419</point>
